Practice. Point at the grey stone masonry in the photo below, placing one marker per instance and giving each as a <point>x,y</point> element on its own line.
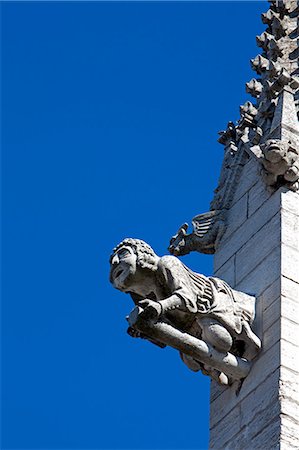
<point>260,255</point>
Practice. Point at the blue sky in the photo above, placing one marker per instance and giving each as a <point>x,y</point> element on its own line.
<point>110,114</point>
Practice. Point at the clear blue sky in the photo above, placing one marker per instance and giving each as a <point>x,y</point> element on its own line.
<point>110,114</point>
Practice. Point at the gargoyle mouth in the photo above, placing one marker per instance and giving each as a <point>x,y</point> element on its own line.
<point>117,273</point>
<point>273,147</point>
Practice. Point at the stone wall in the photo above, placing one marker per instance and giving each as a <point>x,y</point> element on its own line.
<point>259,254</point>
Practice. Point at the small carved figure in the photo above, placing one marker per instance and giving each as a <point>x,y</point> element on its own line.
<point>281,163</point>
<point>168,292</point>
<point>208,229</point>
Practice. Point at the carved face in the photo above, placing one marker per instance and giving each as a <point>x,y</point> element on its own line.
<point>123,268</point>
<point>274,150</point>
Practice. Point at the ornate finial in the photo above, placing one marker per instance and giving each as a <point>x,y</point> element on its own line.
<point>254,87</point>
<point>277,104</point>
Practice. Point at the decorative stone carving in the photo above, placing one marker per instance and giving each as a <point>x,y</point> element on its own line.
<point>281,164</point>
<point>278,27</point>
<point>207,231</point>
<point>202,317</point>
<point>263,40</point>
<point>260,64</point>
<point>254,88</point>
<point>283,79</point>
<point>248,113</point>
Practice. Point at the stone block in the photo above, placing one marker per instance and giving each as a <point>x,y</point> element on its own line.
<point>289,433</point>
<point>271,314</point>
<point>289,355</point>
<point>289,384</point>
<point>263,275</point>
<point>249,177</point>
<point>290,408</point>
<point>290,308</point>
<point>256,404</point>
<point>290,229</point>
<point>263,367</point>
<point>290,201</point>
<point>257,248</point>
<point>290,331</point>
<point>271,335</point>
<point>271,294</point>
<point>226,429</point>
<point>257,195</point>
<point>236,216</point>
<point>248,229</point>
<point>289,289</point>
<point>261,420</point>
<point>216,389</point>
<point>227,272</point>
<point>289,262</point>
<point>267,439</point>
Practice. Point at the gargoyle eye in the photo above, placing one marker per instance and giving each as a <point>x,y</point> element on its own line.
<point>123,253</point>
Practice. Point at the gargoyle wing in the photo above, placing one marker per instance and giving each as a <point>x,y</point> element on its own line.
<point>207,231</point>
<point>203,223</point>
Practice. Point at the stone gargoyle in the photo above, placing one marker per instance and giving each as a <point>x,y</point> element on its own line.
<point>281,163</point>
<point>202,317</point>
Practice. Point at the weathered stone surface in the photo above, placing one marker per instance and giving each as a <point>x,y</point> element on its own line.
<point>248,178</point>
<point>265,365</point>
<point>289,307</point>
<point>271,293</point>
<point>289,354</point>
<point>290,201</point>
<point>236,215</point>
<point>258,247</point>
<point>289,433</point>
<point>262,275</point>
<point>249,229</point>
<point>290,230</point>
<point>228,427</point>
<point>289,288</point>
<point>271,314</point>
<point>289,382</point>
<point>289,262</point>
<point>227,271</point>
<point>267,438</point>
<point>257,195</point>
<point>254,412</point>
<point>290,333</point>
<point>271,334</point>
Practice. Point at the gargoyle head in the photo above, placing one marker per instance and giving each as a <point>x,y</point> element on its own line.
<point>274,150</point>
<point>128,262</point>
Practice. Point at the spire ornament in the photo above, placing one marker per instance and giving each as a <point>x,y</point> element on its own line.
<point>268,130</point>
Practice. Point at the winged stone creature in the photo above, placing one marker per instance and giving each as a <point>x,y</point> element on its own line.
<point>208,229</point>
